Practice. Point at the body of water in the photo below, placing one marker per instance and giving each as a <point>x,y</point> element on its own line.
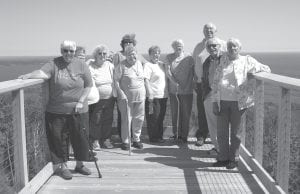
<point>284,63</point>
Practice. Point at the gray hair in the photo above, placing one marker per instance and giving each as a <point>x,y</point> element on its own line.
<point>234,41</point>
<point>68,44</point>
<point>177,42</point>
<point>153,48</point>
<point>100,47</point>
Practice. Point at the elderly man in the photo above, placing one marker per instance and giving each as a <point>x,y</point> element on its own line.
<point>200,54</point>
<point>213,47</point>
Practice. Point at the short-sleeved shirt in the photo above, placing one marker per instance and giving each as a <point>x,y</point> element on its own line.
<point>103,78</point>
<point>131,81</point>
<point>66,84</point>
<point>156,75</point>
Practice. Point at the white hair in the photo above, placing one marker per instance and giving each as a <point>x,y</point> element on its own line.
<point>100,47</point>
<point>234,41</point>
<point>68,44</point>
<point>177,42</point>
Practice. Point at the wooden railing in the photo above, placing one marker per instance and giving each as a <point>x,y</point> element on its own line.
<point>21,175</point>
<point>255,162</point>
<point>286,85</point>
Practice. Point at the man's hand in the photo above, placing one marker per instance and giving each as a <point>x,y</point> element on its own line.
<point>216,110</point>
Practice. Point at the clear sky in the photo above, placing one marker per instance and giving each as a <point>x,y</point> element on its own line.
<point>37,27</point>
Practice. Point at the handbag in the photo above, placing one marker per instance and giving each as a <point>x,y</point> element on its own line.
<point>93,96</point>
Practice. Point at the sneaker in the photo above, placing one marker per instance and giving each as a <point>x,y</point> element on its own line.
<point>137,145</point>
<point>107,144</point>
<point>232,165</point>
<point>83,170</point>
<point>125,146</point>
<point>96,146</point>
<point>221,163</point>
<point>64,173</point>
<point>200,141</point>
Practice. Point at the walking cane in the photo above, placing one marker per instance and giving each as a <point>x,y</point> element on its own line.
<point>94,158</point>
<point>129,127</point>
<point>81,121</point>
<point>123,105</point>
<point>178,111</point>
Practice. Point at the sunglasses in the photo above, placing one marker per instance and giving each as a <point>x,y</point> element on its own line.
<point>101,53</point>
<point>212,45</point>
<point>68,51</point>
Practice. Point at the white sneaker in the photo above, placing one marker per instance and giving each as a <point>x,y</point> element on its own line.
<point>96,146</point>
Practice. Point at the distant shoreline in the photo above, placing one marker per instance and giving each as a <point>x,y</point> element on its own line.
<point>244,52</point>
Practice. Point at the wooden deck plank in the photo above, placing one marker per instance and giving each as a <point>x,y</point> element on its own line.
<point>166,168</point>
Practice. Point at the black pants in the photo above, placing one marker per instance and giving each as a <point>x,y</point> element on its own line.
<point>156,119</point>
<point>101,118</point>
<point>202,122</point>
<point>62,127</point>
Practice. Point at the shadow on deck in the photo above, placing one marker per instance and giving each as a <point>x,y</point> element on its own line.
<point>158,168</point>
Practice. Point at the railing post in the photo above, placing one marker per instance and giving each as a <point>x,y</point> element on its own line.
<point>20,156</point>
<point>259,121</point>
<point>283,138</point>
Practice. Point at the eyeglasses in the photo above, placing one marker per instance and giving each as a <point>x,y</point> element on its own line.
<point>212,45</point>
<point>101,53</point>
<point>68,51</point>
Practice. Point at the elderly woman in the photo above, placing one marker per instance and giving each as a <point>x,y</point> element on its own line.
<point>127,40</point>
<point>180,74</point>
<point>67,110</point>
<point>157,95</point>
<point>80,53</point>
<point>130,86</point>
<point>101,114</point>
<point>232,94</point>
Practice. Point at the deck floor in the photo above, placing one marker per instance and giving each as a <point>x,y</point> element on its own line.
<point>158,168</point>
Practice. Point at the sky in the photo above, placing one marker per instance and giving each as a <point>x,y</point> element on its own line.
<point>37,27</point>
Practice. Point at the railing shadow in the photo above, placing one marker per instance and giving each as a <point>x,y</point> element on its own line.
<point>186,159</point>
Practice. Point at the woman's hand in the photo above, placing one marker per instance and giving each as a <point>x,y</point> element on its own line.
<point>216,110</point>
<point>121,95</point>
<point>78,107</point>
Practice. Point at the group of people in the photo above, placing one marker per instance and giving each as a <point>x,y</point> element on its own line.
<point>83,94</point>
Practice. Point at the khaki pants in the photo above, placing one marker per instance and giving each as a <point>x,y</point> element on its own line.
<point>132,116</point>
<point>211,121</point>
